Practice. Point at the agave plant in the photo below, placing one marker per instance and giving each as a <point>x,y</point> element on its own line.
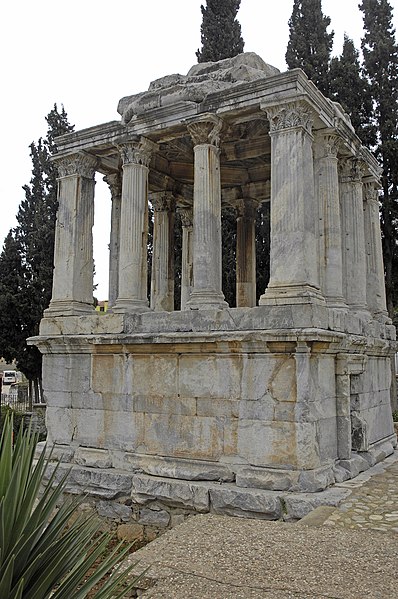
<point>40,554</point>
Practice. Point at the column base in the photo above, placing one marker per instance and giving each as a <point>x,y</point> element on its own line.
<point>202,300</point>
<point>68,308</point>
<point>292,294</point>
<point>129,305</point>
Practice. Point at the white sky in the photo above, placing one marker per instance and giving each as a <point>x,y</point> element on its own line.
<point>86,54</point>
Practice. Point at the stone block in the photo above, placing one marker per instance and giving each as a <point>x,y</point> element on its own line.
<point>257,409</point>
<point>185,469</point>
<point>101,483</point>
<point>275,444</point>
<point>217,407</point>
<point>209,377</point>
<point>175,435</point>
<point>114,510</point>
<point>311,481</point>
<point>172,492</point>
<point>354,465</point>
<point>298,505</point>
<point>151,517</point>
<point>107,373</point>
<point>270,479</point>
<point>92,457</point>
<point>130,532</point>
<point>162,380</point>
<point>248,503</point>
<point>165,405</point>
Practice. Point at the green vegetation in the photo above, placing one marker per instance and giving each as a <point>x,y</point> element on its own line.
<point>220,31</point>
<point>41,555</point>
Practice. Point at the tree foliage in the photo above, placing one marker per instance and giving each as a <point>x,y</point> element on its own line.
<point>310,44</point>
<point>380,53</point>
<point>220,31</point>
<point>352,91</point>
<point>31,246</point>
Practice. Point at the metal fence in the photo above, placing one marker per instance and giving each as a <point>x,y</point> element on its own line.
<point>17,399</point>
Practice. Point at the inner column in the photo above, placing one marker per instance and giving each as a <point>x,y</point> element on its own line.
<point>115,185</point>
<point>162,279</point>
<point>207,290</point>
<point>246,252</point>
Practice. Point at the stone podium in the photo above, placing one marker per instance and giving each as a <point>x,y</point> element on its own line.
<point>212,408</point>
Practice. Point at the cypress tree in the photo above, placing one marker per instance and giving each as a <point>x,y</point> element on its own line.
<point>310,44</point>
<point>380,52</point>
<point>352,91</point>
<point>220,31</point>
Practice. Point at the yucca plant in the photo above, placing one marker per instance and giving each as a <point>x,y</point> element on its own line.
<point>40,554</point>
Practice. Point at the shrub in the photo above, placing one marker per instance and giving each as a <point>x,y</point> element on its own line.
<point>40,555</point>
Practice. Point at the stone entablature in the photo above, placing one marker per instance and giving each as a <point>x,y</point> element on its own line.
<point>292,394</point>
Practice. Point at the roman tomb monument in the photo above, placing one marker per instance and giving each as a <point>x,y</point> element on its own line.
<point>213,408</point>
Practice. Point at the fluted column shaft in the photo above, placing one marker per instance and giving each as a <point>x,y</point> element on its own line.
<point>327,193</point>
<point>354,256</point>
<point>375,286</point>
<point>187,255</point>
<point>294,273</point>
<point>72,291</point>
<point>207,264</point>
<point>162,280</point>
<point>132,295</point>
<point>115,184</point>
<point>246,253</point>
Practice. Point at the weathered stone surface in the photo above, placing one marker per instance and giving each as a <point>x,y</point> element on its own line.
<point>130,532</point>
<point>95,458</point>
<point>151,517</point>
<point>114,510</point>
<point>247,503</point>
<point>175,468</point>
<point>173,492</point>
<point>102,483</point>
<point>197,84</point>
<point>267,478</point>
<point>298,505</point>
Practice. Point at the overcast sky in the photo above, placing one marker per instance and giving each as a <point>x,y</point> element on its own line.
<point>86,54</point>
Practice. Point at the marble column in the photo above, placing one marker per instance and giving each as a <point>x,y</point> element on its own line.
<point>132,294</point>
<point>187,255</point>
<point>294,271</point>
<point>162,281</point>
<point>327,194</point>
<point>246,252</point>
<point>115,185</point>
<point>375,287</point>
<point>72,291</point>
<point>354,256</point>
<point>207,289</point>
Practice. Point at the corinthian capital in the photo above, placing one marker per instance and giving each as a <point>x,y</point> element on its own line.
<point>206,130</point>
<point>115,184</point>
<point>76,164</point>
<point>290,115</point>
<point>371,193</point>
<point>186,215</point>
<point>162,201</point>
<point>352,169</point>
<point>137,152</point>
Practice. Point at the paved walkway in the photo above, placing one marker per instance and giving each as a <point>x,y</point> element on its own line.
<point>349,552</point>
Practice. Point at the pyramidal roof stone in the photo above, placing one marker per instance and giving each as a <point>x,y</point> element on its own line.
<point>201,80</point>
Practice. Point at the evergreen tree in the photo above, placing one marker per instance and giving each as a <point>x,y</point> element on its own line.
<point>33,241</point>
<point>220,31</point>
<point>352,91</point>
<point>310,44</point>
<point>380,52</point>
<point>12,334</point>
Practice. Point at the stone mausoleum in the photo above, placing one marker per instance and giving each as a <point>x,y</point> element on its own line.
<point>212,408</point>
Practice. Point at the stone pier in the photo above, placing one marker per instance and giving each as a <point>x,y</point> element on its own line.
<point>212,408</point>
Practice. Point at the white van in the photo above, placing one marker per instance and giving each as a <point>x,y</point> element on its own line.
<point>9,377</point>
